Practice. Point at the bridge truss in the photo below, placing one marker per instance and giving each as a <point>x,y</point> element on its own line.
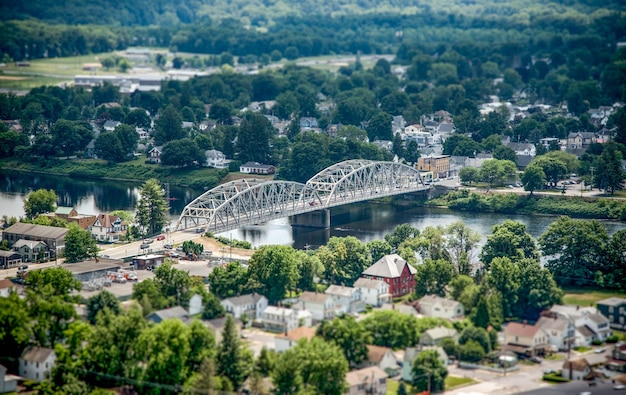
<point>247,202</point>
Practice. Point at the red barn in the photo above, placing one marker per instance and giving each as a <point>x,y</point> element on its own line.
<point>395,271</point>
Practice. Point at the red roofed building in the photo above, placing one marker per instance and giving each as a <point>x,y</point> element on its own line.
<point>523,338</point>
<point>108,228</point>
<point>395,271</point>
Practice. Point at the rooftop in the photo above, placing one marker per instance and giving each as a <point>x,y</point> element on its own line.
<point>40,231</point>
<point>389,266</point>
<point>94,266</point>
<point>313,297</point>
<point>37,354</point>
<point>612,301</point>
<point>252,298</point>
<point>521,329</point>
<point>370,374</point>
<point>298,333</point>
<point>376,354</point>
<point>340,290</point>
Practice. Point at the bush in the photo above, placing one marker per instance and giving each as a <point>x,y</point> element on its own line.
<point>555,377</point>
<point>596,342</point>
<point>612,339</point>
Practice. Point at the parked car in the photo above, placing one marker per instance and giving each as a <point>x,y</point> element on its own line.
<point>148,241</point>
<point>199,230</point>
<point>600,350</point>
<point>160,237</point>
<point>143,246</point>
<point>168,246</point>
<point>535,359</point>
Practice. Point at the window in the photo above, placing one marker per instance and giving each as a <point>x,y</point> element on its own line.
<point>611,308</point>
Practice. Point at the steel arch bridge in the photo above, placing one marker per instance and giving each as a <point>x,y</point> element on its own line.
<point>247,202</point>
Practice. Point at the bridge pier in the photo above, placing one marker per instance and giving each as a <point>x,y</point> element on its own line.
<point>313,219</point>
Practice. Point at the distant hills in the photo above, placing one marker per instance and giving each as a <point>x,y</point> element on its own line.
<point>265,12</point>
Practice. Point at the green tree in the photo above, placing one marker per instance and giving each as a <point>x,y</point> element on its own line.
<point>402,389</point>
<point>323,367</point>
<point>349,335</point>
<point>428,372</point>
<point>504,277</point>
<point>615,262</point>
<point>468,175</point>
<point>390,328</point>
<point>169,126</point>
<point>400,234</point>
<point>234,361</point>
<point>266,361</point>
<point>138,117</point>
<point>79,244</point>
<point>309,269</point>
<point>477,334</point>
<point>148,291</point>
<point>379,127</point>
<point>39,202</point>
<point>505,153</point>
<point>152,208</point>
<point>533,178</point>
<point>432,277</point>
<point>554,169</point>
<point>509,239</point>
<point>102,300</point>
<point>609,176</point>
<point>228,281</point>
<point>253,138</point>
<point>537,290</point>
<point>275,270</point>
<point>344,259</point>
<point>201,345</point>
<point>108,146</point>
<point>460,242</point>
<point>173,284</point>
<point>471,352</point>
<point>212,308</point>
<point>182,153</point>
<point>574,249</point>
<point>286,375</point>
<point>378,249</point>
<point>15,328</point>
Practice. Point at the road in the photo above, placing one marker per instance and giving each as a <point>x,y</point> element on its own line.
<point>570,190</point>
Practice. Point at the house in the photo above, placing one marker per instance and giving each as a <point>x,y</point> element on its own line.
<point>283,319</point>
<point>149,261</point>
<point>6,287</point>
<point>579,140</point>
<point>589,322</point>
<point>216,159</point>
<point>382,357</point>
<point>70,214</point>
<point>561,331</point>
<point>395,271</point>
<point>617,361</point>
<point>154,155</point>
<point>216,326</point>
<point>522,338</point>
<point>321,306</point>
<point>373,292</point>
<point>36,363</point>
<point>347,299</point>
<point>549,142</point>
<point>308,123</point>
<point>615,310</point>
<point>286,341</point>
<point>436,306</point>
<point>403,308</point>
<point>256,168</point>
<point>108,228</point>
<point>252,305</point>
<point>110,126</point>
<point>523,149</point>
<point>445,128</point>
<point>576,369</point>
<point>65,212</point>
<point>410,353</point>
<point>52,236</point>
<point>195,305</point>
<point>166,314</point>
<point>32,251</point>
<point>370,381</point>
<point>439,165</point>
<point>9,259</point>
<point>434,336</point>
<point>8,382</point>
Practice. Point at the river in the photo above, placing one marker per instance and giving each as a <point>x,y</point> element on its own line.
<point>366,221</point>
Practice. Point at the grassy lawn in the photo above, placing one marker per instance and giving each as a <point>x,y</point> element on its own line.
<point>587,297</point>
<point>582,348</point>
<point>451,383</point>
<point>554,357</point>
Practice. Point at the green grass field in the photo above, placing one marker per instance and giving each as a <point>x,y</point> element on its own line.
<point>588,298</point>
<point>451,383</point>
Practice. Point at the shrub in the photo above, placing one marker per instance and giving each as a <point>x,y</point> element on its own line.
<point>612,339</point>
<point>555,377</point>
<point>596,342</point>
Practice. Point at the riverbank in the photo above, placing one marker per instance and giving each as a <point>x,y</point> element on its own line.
<point>136,170</point>
<point>511,203</point>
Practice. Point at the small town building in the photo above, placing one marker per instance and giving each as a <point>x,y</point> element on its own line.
<point>589,322</point>
<point>283,319</point>
<point>373,292</point>
<point>395,271</point>
<point>195,305</point>
<point>438,307</point>
<point>9,259</point>
<point>216,159</point>
<point>404,308</point>
<point>8,382</point>
<point>252,305</point>
<point>576,369</point>
<point>382,357</point>
<point>410,353</point>
<point>347,299</point>
<point>366,381</point>
<point>286,341</point>
<point>439,165</point>
<point>150,261</point>
<point>322,306</point>
<point>6,287</point>
<point>256,168</point>
<point>561,332</point>
<point>93,269</point>
<point>32,251</point>
<point>108,228</point>
<point>522,338</point>
<point>166,314</point>
<point>615,310</point>
<point>434,336</point>
<point>154,155</point>
<point>36,363</point>
<point>53,237</point>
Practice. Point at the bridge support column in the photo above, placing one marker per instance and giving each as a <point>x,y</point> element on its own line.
<point>314,219</point>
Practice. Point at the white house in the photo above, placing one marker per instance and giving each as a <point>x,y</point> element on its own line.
<point>110,126</point>
<point>373,292</point>
<point>561,331</point>
<point>155,154</point>
<point>216,159</point>
<point>36,363</point>
<point>411,353</point>
<point>576,369</point>
<point>321,306</point>
<point>367,381</point>
<point>31,250</point>
<point>282,319</point>
<point>8,383</point>
<point>285,341</point>
<point>195,305</point>
<point>436,306</point>
<point>589,322</point>
<point>523,338</point>
<point>252,305</point>
<point>6,287</point>
<point>347,299</point>
<point>256,168</point>
<point>382,357</point>
<point>523,149</point>
<point>108,228</point>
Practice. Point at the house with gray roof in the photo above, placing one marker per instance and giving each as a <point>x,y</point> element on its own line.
<point>322,306</point>
<point>252,305</point>
<point>615,310</point>
<point>410,353</point>
<point>436,306</point>
<point>166,314</point>
<point>110,126</point>
<point>589,322</point>
<point>561,332</point>
<point>373,292</point>
<point>347,299</point>
<point>36,363</point>
<point>370,380</point>
<point>434,336</point>
<point>52,236</point>
<point>9,259</point>
<point>32,251</point>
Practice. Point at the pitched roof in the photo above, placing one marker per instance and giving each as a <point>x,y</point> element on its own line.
<point>612,301</point>
<point>410,353</point>
<point>9,254</point>
<point>598,318</point>
<point>6,283</point>
<point>256,165</point>
<point>282,311</point>
<point>556,323</point>
<point>41,231</point>
<point>313,297</point>
<point>173,312</point>
<point>64,210</point>
<point>106,220</point>
<point>441,332</point>
<point>252,298</point>
<point>376,354</point>
<point>36,354</point>
<point>389,266</point>
<point>365,375</point>
<point>521,329</point>
<point>30,243</point>
<point>340,290</point>
<point>432,299</point>
<point>578,365</point>
<point>368,283</point>
<point>299,333</point>
<point>585,331</point>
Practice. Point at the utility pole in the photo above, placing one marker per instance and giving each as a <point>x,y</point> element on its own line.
<point>591,169</point>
